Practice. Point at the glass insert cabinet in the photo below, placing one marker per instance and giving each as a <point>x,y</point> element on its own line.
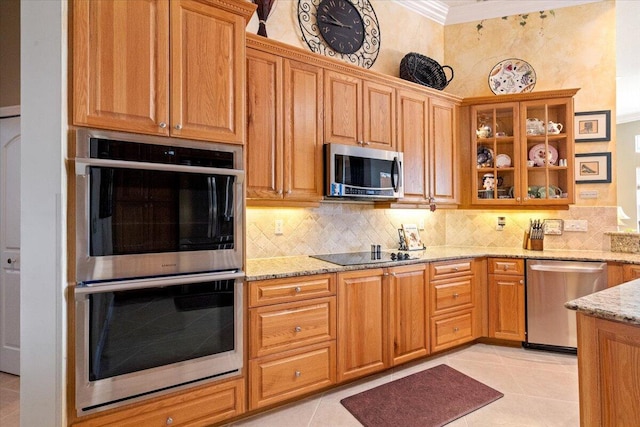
<point>522,149</point>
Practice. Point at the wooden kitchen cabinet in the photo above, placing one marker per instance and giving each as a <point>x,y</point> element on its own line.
<point>284,129</point>
<point>292,337</point>
<point>506,299</point>
<point>427,137</point>
<point>503,139</point>
<point>453,300</point>
<point>202,406</point>
<point>359,111</point>
<point>408,312</point>
<point>362,323</point>
<point>161,67</point>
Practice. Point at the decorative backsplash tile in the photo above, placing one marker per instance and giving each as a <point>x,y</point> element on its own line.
<point>625,242</point>
<point>350,227</point>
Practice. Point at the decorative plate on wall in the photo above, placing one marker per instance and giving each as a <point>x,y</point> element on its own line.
<point>512,76</point>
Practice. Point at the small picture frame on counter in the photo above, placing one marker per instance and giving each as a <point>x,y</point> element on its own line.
<point>412,237</point>
<point>553,226</point>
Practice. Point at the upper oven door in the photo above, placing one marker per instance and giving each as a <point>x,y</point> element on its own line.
<point>161,210</point>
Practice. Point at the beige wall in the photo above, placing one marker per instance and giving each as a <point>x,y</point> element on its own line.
<point>401,32</point>
<point>573,48</point>
<point>628,163</point>
<point>9,53</point>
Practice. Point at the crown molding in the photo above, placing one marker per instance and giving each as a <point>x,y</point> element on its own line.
<point>433,9</point>
<point>10,111</point>
<point>627,118</point>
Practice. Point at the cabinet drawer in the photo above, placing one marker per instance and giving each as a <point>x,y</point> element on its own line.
<point>450,295</point>
<point>201,407</point>
<point>451,331</point>
<point>442,270</point>
<point>506,266</point>
<point>293,325</point>
<point>281,377</point>
<point>273,291</point>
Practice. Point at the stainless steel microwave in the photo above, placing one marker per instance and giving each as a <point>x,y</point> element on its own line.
<point>363,173</point>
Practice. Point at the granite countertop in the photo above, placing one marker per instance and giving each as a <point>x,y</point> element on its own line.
<point>620,303</point>
<point>281,267</point>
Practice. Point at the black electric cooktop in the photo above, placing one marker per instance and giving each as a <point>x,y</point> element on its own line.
<point>356,258</point>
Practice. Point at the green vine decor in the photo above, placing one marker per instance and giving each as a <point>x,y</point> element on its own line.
<point>522,20</point>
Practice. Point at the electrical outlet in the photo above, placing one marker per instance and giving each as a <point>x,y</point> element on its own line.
<point>278,227</point>
<point>575,225</point>
<point>589,194</point>
<point>421,224</point>
<point>502,221</point>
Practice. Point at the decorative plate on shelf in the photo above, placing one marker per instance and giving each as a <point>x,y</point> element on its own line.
<point>503,161</point>
<point>540,156</point>
<point>512,76</point>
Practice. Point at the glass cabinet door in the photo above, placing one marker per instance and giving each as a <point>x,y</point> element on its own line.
<point>496,134</point>
<point>547,155</point>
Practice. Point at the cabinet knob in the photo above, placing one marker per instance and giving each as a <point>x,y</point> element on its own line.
<point>297,374</point>
<point>178,126</point>
<point>456,295</point>
<point>455,268</point>
<point>162,125</point>
<point>456,329</point>
<point>297,329</point>
<point>521,282</point>
<point>169,421</point>
<point>505,267</point>
<point>297,289</point>
<point>11,260</point>
<point>279,192</point>
<point>518,199</point>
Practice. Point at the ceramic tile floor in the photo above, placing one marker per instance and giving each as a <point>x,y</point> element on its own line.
<point>540,389</point>
<point>9,400</point>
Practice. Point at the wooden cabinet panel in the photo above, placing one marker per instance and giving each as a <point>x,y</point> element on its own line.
<point>342,108</point>
<point>446,269</point>
<point>303,99</point>
<point>413,137</point>
<point>453,330</point>
<point>264,150</point>
<point>273,291</point>
<point>451,294</point>
<point>280,377</point>
<point>207,72</point>
<point>293,325</point>
<point>201,407</point>
<point>631,272</point>
<point>506,266</point>
<point>408,312</point>
<point>379,115</point>
<point>443,152</point>
<point>507,307</point>
<point>121,65</point>
<point>362,323</point>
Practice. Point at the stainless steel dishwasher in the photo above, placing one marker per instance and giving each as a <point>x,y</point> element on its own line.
<point>550,284</point>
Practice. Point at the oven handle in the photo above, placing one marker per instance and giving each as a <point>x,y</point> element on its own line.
<point>154,282</point>
<point>83,164</point>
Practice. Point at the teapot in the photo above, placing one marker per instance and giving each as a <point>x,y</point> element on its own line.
<point>484,131</point>
<point>535,127</point>
<point>554,128</point>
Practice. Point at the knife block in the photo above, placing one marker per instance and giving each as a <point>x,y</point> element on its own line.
<point>537,244</point>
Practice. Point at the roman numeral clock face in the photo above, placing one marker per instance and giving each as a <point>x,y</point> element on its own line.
<point>346,29</point>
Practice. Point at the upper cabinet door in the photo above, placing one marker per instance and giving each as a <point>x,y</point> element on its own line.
<point>342,109</point>
<point>121,65</point>
<point>379,115</point>
<point>207,72</point>
<point>443,152</point>
<point>413,137</point>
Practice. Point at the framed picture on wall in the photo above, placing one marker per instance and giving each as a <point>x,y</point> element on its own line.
<point>593,168</point>
<point>593,126</point>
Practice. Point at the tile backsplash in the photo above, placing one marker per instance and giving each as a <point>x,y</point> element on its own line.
<point>350,227</point>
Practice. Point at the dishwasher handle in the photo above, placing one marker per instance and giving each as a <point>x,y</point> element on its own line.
<point>567,269</point>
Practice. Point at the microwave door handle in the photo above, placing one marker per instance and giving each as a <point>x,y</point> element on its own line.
<point>83,164</point>
<point>395,172</point>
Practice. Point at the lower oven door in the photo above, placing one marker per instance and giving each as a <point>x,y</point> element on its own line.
<point>142,336</point>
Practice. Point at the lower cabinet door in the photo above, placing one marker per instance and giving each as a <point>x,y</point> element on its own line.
<point>452,330</point>
<point>286,375</point>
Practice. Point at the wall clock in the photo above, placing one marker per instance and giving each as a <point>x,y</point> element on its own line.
<point>344,29</point>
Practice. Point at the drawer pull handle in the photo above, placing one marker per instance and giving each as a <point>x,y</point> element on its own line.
<point>297,289</point>
<point>456,329</point>
<point>505,267</point>
<point>297,329</point>
<point>455,268</point>
<point>169,421</point>
<point>456,295</point>
<point>297,374</point>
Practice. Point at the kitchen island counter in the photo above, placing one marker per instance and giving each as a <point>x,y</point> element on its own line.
<point>620,303</point>
<point>292,266</point>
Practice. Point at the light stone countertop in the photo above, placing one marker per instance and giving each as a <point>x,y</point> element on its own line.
<point>620,303</point>
<point>281,267</point>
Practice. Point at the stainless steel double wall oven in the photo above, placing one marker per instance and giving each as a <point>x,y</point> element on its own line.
<point>158,299</point>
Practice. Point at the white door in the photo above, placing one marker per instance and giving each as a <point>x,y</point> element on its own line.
<point>10,240</point>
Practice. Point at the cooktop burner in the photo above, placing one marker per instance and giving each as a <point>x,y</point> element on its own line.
<point>355,258</point>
